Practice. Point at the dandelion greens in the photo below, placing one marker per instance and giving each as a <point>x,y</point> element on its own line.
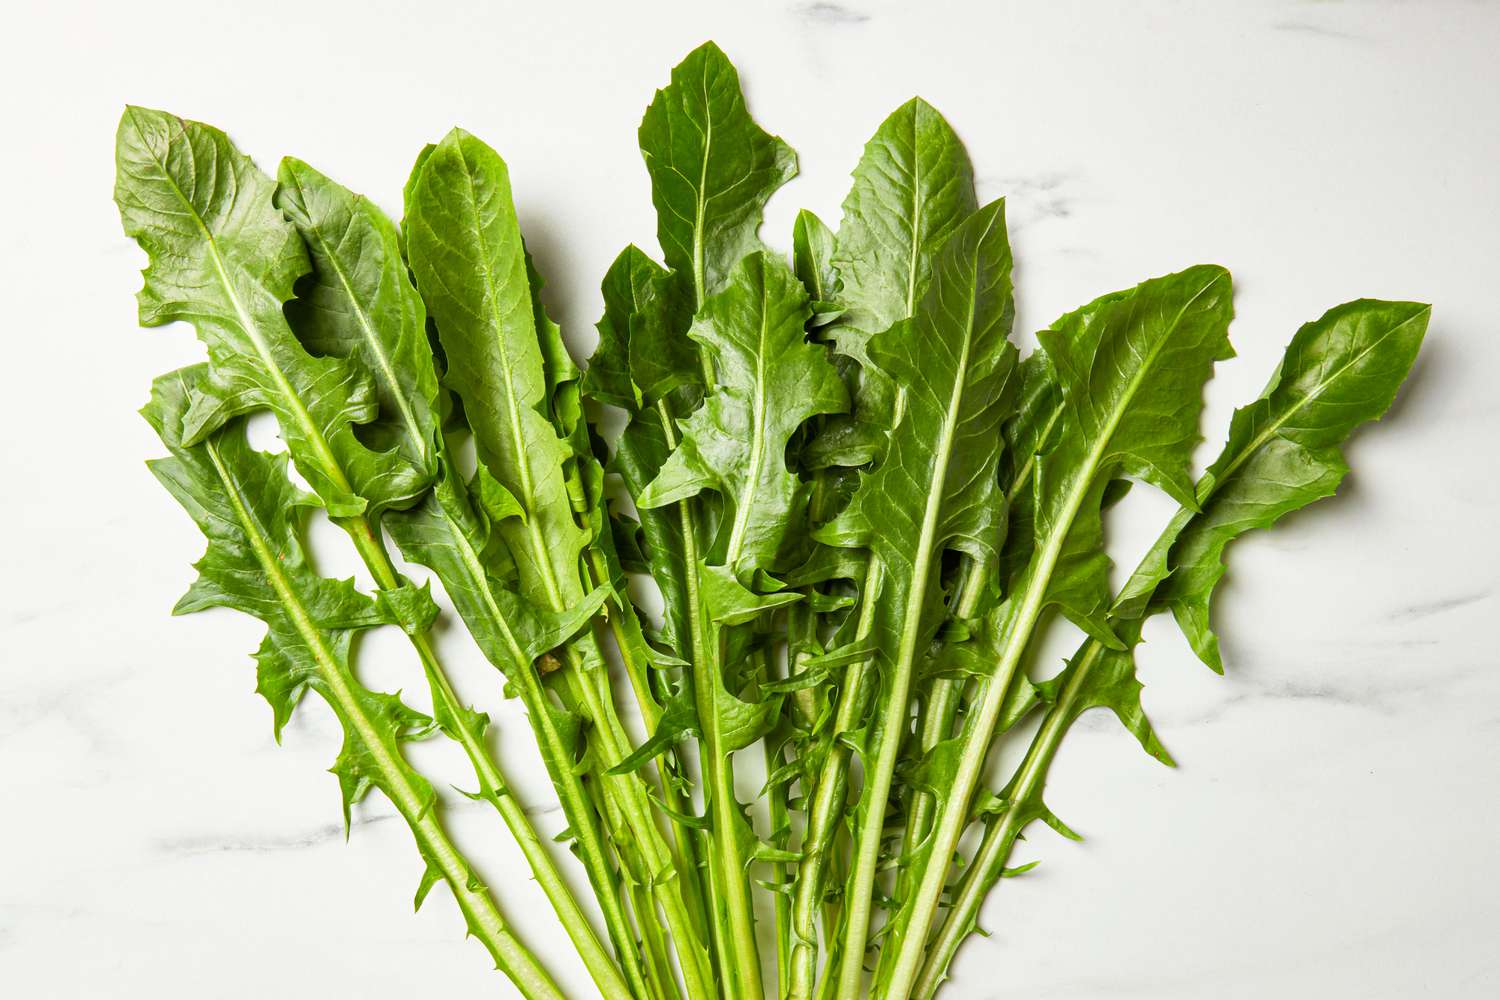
<point>809,513</point>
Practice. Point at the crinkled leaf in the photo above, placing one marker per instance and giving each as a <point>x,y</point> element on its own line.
<point>769,380</point>
<point>712,170</point>
<point>359,302</point>
<point>223,258</point>
<point>912,188</point>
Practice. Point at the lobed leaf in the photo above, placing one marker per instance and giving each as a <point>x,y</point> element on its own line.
<point>1340,371</point>
<point>712,171</point>
<point>769,381</point>
<point>248,509</point>
<point>223,258</point>
<point>1131,368</point>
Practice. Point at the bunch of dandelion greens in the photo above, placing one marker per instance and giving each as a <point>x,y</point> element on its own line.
<point>861,509</point>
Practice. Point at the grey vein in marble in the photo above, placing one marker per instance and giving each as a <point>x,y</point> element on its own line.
<point>1429,608</point>
<point>823,12</point>
<point>1317,31</point>
<point>194,846</point>
<point>1031,200</point>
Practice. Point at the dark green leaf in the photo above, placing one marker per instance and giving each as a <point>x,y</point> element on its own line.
<point>769,381</point>
<point>469,262</point>
<point>712,170</point>
<point>1283,452</point>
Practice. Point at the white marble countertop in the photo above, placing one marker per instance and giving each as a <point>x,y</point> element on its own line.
<point>1331,829</point>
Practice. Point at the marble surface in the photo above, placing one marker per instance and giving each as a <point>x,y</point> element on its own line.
<point>1330,833</point>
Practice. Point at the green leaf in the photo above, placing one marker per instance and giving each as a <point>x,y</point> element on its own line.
<point>1110,682</point>
<point>1131,368</point>
<point>712,170</point>
<point>632,324</point>
<point>769,381</point>
<point>466,254</point>
<point>812,256</point>
<point>223,259</point>
<point>1028,434</point>
<point>250,512</point>
<point>1283,452</point>
<point>728,602</point>
<point>678,721</point>
<point>360,302</point>
<point>409,606</point>
<point>937,488</point>
<point>362,765</point>
<point>444,533</point>
<point>1128,362</point>
<point>639,456</point>
<point>628,288</point>
<point>912,188</point>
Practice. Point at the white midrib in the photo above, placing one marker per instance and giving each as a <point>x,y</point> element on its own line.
<point>700,210</point>
<point>539,550</point>
<point>880,780</point>
<point>404,792</point>
<point>299,414</point>
<point>757,441</point>
<point>372,340</point>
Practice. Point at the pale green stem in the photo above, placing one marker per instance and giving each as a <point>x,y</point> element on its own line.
<point>629,793</point>
<point>483,917</point>
<point>935,719</point>
<point>828,796</point>
<point>1001,832</point>
<point>729,888</point>
<point>606,974</point>
<point>638,674</point>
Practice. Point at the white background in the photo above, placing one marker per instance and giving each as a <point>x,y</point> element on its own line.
<point>1331,831</point>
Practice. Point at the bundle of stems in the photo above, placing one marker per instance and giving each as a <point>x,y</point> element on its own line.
<point>853,510</point>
